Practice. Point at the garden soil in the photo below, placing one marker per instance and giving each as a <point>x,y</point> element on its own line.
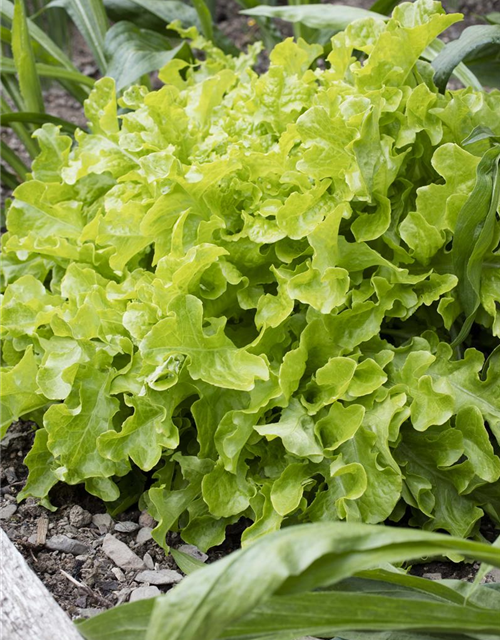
<point>81,576</point>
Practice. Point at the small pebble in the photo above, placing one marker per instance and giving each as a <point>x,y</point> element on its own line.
<point>145,520</point>
<point>122,595</point>
<point>10,475</point>
<point>62,543</point>
<point>107,585</point>
<point>193,551</point>
<point>8,511</point>
<point>143,593</point>
<point>118,573</point>
<point>494,574</point>
<point>103,521</point>
<point>78,517</point>
<point>433,576</point>
<point>148,561</point>
<point>120,554</point>
<point>126,527</point>
<point>33,540</point>
<point>163,576</point>
<point>144,535</point>
<point>89,612</point>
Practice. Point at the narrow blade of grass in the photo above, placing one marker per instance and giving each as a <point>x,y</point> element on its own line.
<point>21,131</point>
<point>13,160</point>
<point>51,49</point>
<point>8,180</point>
<point>472,40</point>
<point>24,59</point>
<point>205,18</point>
<point>50,71</point>
<point>6,119</point>
<point>91,21</point>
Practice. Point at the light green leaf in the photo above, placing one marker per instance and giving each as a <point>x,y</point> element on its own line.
<point>296,430</point>
<point>211,357</point>
<point>226,494</point>
<point>41,476</point>
<point>74,426</point>
<point>20,393</point>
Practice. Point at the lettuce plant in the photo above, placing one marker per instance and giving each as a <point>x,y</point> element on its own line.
<point>263,296</point>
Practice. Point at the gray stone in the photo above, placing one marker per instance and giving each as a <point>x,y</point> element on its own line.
<point>62,543</point>
<point>193,551</point>
<point>78,517</point>
<point>433,576</point>
<point>8,511</point>
<point>120,554</point>
<point>163,576</point>
<point>144,535</point>
<point>145,520</point>
<point>143,593</point>
<point>118,573</point>
<point>103,521</point>
<point>122,595</point>
<point>494,575</point>
<point>89,612</point>
<point>148,561</point>
<point>126,527</point>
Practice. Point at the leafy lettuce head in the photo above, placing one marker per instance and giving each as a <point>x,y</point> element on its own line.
<point>234,295</point>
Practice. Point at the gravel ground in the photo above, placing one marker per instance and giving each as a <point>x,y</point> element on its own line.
<point>88,560</point>
<point>91,562</point>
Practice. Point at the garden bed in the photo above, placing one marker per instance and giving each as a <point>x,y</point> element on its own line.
<point>78,551</point>
<point>85,581</point>
<point>78,528</point>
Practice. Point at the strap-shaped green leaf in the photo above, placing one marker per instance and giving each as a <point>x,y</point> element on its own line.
<point>90,19</point>
<point>471,40</point>
<point>20,129</point>
<point>35,118</point>
<point>13,160</point>
<point>263,591</point>
<point>186,563</point>
<point>168,10</point>
<point>474,232</point>
<point>24,59</point>
<point>326,614</point>
<point>384,6</point>
<point>205,18</point>
<point>50,71</point>
<point>7,13</point>
<point>317,16</point>
<point>10,181</point>
<point>132,52</point>
<point>461,71</point>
